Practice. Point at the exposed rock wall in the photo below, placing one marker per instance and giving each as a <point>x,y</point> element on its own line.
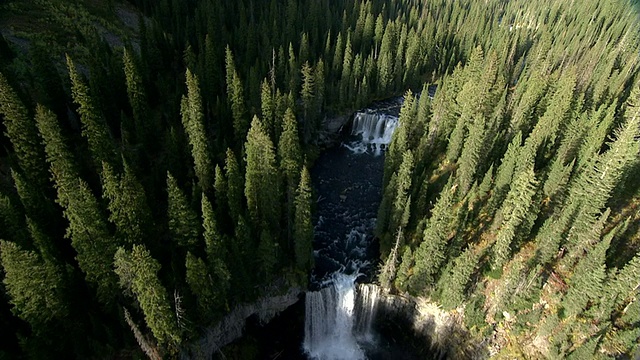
<point>231,327</point>
<point>443,332</point>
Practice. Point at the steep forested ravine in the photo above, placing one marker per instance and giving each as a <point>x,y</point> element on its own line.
<point>156,159</point>
<point>335,320</point>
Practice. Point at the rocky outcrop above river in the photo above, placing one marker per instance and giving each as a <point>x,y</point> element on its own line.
<point>441,333</point>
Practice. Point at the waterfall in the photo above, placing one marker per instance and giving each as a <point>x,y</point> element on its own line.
<point>337,317</point>
<point>375,129</point>
<point>329,321</point>
<point>366,311</point>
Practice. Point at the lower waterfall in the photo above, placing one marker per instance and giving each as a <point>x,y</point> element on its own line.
<point>338,318</point>
<point>329,321</point>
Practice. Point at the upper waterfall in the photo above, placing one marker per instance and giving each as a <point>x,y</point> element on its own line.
<point>375,130</point>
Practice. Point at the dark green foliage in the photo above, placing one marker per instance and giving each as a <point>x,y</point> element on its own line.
<point>235,186</point>
<point>138,273</point>
<point>23,134</point>
<point>35,287</point>
<point>94,127</point>
<point>261,180</point>
<point>87,227</point>
<point>430,255</point>
<point>127,204</point>
<point>453,283</point>
<point>302,225</point>
<point>531,136</point>
<point>184,226</point>
<point>193,123</point>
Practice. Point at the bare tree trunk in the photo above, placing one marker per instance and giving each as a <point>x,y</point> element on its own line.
<point>145,344</point>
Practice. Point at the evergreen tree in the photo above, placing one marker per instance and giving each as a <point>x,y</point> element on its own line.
<point>430,255</point>
<point>587,281</point>
<point>183,220</point>
<point>307,93</point>
<point>261,179</point>
<point>94,126</point>
<point>201,284</point>
<point>268,107</point>
<point>403,188</point>
<point>235,94</point>
<point>514,211</point>
<point>138,273</point>
<point>290,159</point>
<point>303,226</point>
<point>235,188</point>
<point>193,122</point>
<point>128,207</point>
<point>404,271</point>
<point>87,227</point>
<point>216,250</point>
<point>453,284</point>
<point>34,286</point>
<point>137,98</point>
<point>23,134</point>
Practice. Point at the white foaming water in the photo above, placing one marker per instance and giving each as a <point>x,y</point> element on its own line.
<point>336,318</point>
<point>367,306</point>
<point>375,129</point>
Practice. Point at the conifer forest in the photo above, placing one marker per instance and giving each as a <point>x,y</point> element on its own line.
<point>156,159</point>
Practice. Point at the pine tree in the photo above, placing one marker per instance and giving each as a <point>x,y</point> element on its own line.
<point>128,207</point>
<point>94,126</point>
<point>216,250</point>
<point>303,226</point>
<point>595,185</point>
<point>201,283</point>
<point>87,228</point>
<point>268,107</point>
<point>345,79</point>
<point>235,189</point>
<point>193,122</point>
<point>183,220</point>
<point>587,281</point>
<point>430,255</point>
<point>261,179</point>
<point>220,190</point>
<point>387,55</point>
<point>452,285</point>
<point>402,192</point>
<point>23,134</point>
<point>290,159</point>
<point>471,156</point>
<point>138,273</point>
<point>319,82</point>
<point>35,287</point>
<point>514,211</point>
<point>235,94</point>
<point>307,93</point>
<point>137,98</point>
<point>293,80</point>
<point>404,271</point>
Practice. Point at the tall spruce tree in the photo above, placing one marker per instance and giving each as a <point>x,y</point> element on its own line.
<point>261,180</point>
<point>35,287</point>
<point>193,121</point>
<point>94,126</point>
<point>23,134</point>
<point>302,225</point>
<point>184,226</point>
<point>138,273</point>
<point>87,227</point>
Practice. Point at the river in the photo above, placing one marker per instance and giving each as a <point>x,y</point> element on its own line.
<point>336,320</point>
